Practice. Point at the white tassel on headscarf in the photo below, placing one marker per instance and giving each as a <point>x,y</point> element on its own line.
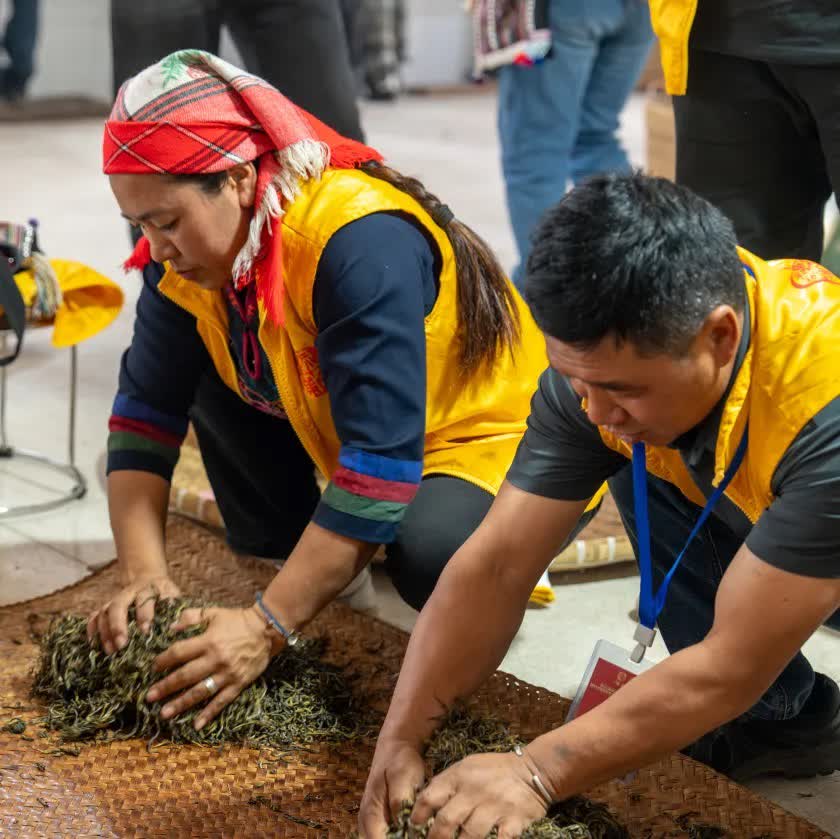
<point>298,163</point>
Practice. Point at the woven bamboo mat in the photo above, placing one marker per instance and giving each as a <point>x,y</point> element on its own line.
<point>603,542</point>
<point>123,790</point>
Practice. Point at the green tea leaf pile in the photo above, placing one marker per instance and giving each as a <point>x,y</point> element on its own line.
<point>463,734</point>
<point>297,701</point>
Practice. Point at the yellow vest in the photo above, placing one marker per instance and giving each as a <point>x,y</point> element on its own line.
<point>672,20</point>
<point>472,428</point>
<point>787,376</point>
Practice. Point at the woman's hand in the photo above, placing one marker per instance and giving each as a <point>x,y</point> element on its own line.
<point>110,622</point>
<point>233,650</point>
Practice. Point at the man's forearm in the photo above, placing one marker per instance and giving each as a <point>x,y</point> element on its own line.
<point>698,688</point>
<point>460,638</point>
<point>476,608</point>
<point>321,565</point>
<point>660,711</point>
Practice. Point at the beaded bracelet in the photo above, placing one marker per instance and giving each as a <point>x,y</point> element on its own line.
<point>290,635</point>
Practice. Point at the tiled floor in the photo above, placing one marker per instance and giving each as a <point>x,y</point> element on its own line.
<point>52,171</point>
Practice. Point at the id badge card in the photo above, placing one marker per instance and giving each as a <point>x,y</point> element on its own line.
<point>609,669</point>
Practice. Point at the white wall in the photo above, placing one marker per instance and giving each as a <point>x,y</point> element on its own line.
<point>74,49</point>
<point>74,46</point>
<point>439,43</point>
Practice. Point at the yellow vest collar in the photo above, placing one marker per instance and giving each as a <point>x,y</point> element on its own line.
<point>203,304</point>
<point>733,421</point>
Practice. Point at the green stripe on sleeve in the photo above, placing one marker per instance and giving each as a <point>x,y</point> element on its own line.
<point>119,441</point>
<point>365,508</point>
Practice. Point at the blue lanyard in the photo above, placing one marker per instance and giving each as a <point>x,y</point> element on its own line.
<point>650,603</point>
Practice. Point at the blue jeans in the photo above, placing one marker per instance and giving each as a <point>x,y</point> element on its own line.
<point>19,43</point>
<point>558,120</point>
<point>689,608</point>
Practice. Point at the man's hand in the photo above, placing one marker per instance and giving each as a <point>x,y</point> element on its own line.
<point>233,650</point>
<point>477,794</point>
<point>110,622</point>
<point>395,776</point>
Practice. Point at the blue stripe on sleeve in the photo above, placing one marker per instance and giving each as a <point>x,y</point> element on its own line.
<point>379,466</point>
<point>125,406</point>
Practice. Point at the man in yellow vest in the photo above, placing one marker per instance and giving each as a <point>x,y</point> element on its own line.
<point>757,86</point>
<point>710,369</point>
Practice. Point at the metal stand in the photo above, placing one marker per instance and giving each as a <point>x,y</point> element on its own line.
<point>68,469</point>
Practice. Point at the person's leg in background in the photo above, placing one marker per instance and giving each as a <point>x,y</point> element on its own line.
<point>350,14</point>
<point>620,59</point>
<point>751,146</point>
<point>144,32</point>
<point>380,32</point>
<point>19,42</point>
<point>819,87</point>
<point>539,113</point>
<point>300,47</point>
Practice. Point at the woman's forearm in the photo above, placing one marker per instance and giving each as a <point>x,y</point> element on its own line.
<point>137,503</point>
<point>319,568</point>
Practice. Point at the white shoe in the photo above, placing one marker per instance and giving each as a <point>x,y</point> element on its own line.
<point>360,594</point>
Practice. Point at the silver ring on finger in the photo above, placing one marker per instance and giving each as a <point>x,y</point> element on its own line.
<point>210,685</point>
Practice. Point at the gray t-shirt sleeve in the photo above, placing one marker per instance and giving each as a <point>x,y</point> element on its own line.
<point>800,530</point>
<point>562,454</point>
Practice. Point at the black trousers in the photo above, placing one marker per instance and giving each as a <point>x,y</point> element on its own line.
<point>265,487</point>
<point>762,142</point>
<point>299,46</point>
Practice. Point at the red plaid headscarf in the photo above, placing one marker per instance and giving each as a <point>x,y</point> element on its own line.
<point>194,113</point>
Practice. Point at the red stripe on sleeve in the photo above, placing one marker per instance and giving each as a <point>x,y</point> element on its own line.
<point>377,488</point>
<point>145,429</point>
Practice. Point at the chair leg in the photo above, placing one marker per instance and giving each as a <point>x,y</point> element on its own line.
<point>71,431</point>
<point>5,449</point>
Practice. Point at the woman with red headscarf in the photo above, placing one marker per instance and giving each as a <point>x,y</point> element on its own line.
<point>303,303</point>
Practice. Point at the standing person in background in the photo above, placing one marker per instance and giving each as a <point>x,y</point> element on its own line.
<point>382,46</point>
<point>376,37</point>
<point>558,119</point>
<point>296,45</point>
<point>757,111</point>
<point>19,42</point>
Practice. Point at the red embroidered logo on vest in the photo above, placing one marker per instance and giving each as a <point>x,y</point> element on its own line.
<point>310,372</point>
<point>807,274</point>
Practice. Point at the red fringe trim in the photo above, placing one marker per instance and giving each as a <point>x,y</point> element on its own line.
<point>140,257</point>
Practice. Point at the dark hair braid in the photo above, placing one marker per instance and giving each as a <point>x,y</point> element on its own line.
<point>488,320</point>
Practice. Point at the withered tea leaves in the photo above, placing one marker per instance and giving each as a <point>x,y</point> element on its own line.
<point>15,726</point>
<point>462,734</point>
<point>300,699</point>
<point>558,824</point>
